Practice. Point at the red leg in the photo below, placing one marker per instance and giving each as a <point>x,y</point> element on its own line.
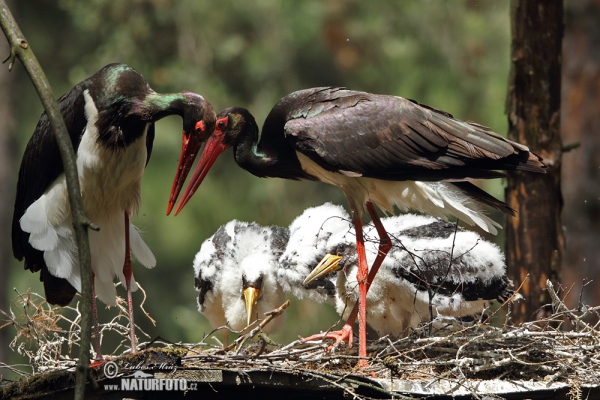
<point>128,272</point>
<point>99,358</point>
<point>344,334</point>
<point>385,243</point>
<point>363,287</point>
<point>364,281</point>
<point>360,308</point>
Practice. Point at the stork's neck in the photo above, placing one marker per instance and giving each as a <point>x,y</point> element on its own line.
<point>271,157</point>
<point>158,105</point>
<point>249,157</point>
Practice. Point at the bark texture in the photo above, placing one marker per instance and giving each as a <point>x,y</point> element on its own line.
<point>534,239</point>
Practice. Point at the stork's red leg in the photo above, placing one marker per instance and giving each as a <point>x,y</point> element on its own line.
<point>362,277</point>
<point>363,286</point>
<point>128,272</point>
<point>364,280</point>
<point>385,243</point>
<point>99,358</point>
<point>343,335</point>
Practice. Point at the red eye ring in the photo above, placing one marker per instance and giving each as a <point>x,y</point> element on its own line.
<point>222,123</point>
<point>200,126</point>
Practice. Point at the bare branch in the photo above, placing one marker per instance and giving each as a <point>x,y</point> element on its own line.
<point>19,48</point>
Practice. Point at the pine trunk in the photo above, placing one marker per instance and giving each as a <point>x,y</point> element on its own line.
<point>534,240</point>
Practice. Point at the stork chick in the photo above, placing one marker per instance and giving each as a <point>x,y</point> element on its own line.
<point>236,277</point>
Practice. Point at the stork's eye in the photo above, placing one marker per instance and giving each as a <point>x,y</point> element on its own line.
<point>222,123</point>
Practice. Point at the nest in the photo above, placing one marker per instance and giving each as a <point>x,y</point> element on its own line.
<point>476,361</point>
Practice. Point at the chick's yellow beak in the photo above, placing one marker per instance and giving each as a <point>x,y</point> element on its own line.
<point>328,264</point>
<point>251,298</point>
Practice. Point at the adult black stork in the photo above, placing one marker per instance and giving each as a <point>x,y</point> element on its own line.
<point>110,118</point>
<point>377,149</point>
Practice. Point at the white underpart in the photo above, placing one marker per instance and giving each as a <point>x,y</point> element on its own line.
<point>110,181</point>
<point>440,199</point>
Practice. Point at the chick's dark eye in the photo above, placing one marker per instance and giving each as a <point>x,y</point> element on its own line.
<point>221,124</point>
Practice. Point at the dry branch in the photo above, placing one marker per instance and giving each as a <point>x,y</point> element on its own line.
<point>19,48</point>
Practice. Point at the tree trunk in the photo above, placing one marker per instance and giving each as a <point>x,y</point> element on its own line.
<point>534,240</point>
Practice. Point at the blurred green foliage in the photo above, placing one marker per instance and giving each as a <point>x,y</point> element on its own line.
<point>452,55</point>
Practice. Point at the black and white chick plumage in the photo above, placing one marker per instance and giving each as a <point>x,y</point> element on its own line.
<point>235,266</point>
<point>273,259</point>
<point>417,283</point>
<point>312,234</point>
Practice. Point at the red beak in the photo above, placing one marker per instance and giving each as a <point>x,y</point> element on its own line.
<point>190,147</point>
<point>213,149</point>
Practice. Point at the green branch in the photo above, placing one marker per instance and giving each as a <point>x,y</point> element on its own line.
<point>19,48</point>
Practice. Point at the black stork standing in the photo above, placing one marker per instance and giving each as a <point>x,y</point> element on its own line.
<point>110,118</point>
<point>377,149</point>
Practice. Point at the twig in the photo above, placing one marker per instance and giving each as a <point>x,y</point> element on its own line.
<point>561,307</point>
<point>21,49</point>
<point>270,316</point>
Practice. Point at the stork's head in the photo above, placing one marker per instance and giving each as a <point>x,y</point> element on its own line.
<point>198,124</point>
<point>232,125</point>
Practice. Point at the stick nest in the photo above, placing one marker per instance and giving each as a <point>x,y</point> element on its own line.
<point>543,351</point>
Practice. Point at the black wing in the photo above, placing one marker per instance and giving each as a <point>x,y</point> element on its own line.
<point>388,137</point>
<point>41,165</point>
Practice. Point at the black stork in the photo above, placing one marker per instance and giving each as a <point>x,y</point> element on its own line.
<point>377,149</point>
<point>110,118</point>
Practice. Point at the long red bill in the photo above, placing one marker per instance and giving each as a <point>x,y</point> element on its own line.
<point>213,149</point>
<point>190,148</point>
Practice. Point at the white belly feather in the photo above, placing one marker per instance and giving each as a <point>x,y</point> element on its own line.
<point>110,180</point>
<point>440,199</point>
